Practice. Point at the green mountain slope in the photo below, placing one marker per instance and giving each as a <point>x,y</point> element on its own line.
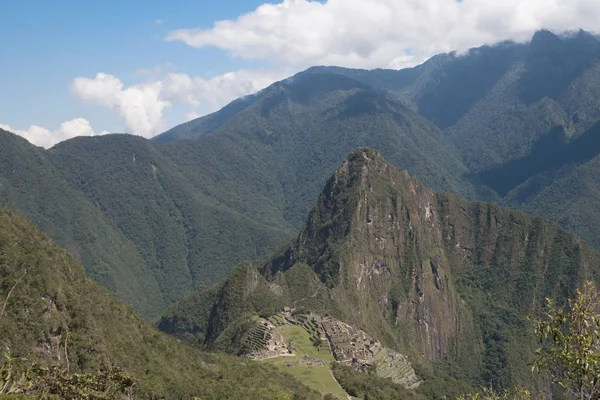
<point>497,103</point>
<point>437,278</point>
<point>173,217</point>
<point>183,231</point>
<point>50,312</point>
<point>304,126</point>
<point>33,186</point>
<point>522,118</point>
<point>155,220</point>
<point>145,227</point>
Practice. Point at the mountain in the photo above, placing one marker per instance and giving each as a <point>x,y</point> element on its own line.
<point>134,218</point>
<point>304,126</point>
<point>444,281</point>
<point>497,103</point>
<point>182,221</point>
<point>153,221</point>
<point>514,111</point>
<point>51,313</point>
<point>33,186</point>
<point>521,119</point>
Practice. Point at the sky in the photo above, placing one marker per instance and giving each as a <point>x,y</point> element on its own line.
<point>74,68</point>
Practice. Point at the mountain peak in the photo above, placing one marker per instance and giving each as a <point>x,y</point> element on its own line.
<point>545,42</point>
<point>364,194</point>
<point>414,269</point>
<point>544,36</point>
<point>366,160</point>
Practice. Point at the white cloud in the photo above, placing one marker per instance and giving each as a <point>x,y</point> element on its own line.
<point>43,137</point>
<point>191,115</point>
<point>212,94</point>
<point>384,33</point>
<point>142,106</point>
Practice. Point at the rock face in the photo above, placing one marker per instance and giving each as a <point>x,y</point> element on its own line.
<point>429,275</point>
<point>388,260</point>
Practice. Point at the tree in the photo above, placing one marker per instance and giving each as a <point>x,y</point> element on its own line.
<point>570,340</point>
<point>515,393</point>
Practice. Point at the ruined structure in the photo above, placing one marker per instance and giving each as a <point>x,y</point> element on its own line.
<point>346,343</point>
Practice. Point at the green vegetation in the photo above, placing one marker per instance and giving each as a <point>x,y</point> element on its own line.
<point>302,342</point>
<point>571,340</point>
<point>570,355</point>
<point>54,316</point>
<point>453,292</point>
<point>317,377</point>
<point>138,222</point>
<point>367,385</point>
<point>489,394</point>
<point>153,221</point>
<point>18,377</point>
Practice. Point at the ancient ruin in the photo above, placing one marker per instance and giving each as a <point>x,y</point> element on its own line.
<point>346,343</point>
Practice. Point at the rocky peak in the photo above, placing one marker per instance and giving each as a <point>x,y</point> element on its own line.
<point>427,274</point>
<point>544,39</point>
<point>390,249</point>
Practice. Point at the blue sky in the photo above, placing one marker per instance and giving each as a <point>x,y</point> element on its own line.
<point>74,68</point>
<point>45,44</point>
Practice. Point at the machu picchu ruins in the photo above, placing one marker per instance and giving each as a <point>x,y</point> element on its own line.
<point>347,344</point>
<point>264,341</point>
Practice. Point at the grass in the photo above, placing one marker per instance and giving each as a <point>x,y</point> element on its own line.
<point>317,377</point>
<point>302,344</point>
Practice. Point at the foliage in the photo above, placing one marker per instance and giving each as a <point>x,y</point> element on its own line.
<point>19,377</point>
<point>486,393</point>
<point>571,339</point>
<point>62,321</point>
<point>443,381</point>
<point>369,385</point>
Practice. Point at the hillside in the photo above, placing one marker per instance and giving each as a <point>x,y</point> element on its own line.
<point>444,281</point>
<point>155,220</point>
<point>33,186</point>
<point>304,126</point>
<point>50,312</point>
<point>143,227</point>
<point>174,217</point>
<point>498,103</point>
<point>522,119</point>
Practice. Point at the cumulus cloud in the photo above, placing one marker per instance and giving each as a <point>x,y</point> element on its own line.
<point>383,33</point>
<point>44,137</point>
<point>214,93</point>
<point>142,106</point>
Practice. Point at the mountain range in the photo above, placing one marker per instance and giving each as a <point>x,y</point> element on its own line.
<point>154,220</point>
<point>431,242</point>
